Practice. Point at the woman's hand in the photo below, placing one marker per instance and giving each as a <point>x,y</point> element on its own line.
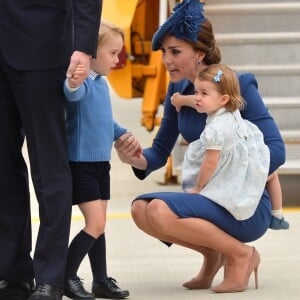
<point>128,148</point>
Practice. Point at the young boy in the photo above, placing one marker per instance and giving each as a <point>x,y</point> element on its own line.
<point>91,133</point>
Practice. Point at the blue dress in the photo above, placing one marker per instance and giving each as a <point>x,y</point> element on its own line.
<point>190,124</point>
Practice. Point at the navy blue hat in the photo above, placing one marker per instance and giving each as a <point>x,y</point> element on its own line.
<point>184,23</point>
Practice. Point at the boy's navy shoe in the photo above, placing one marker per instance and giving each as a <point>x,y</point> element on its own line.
<point>74,290</point>
<point>108,289</point>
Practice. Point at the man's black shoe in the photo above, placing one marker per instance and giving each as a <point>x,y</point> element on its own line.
<point>46,292</point>
<point>108,289</point>
<point>74,289</point>
<point>15,290</point>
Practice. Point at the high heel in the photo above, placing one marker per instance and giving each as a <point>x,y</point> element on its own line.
<point>228,286</point>
<point>204,283</point>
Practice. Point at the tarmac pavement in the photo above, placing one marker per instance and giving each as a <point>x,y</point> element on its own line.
<point>149,269</point>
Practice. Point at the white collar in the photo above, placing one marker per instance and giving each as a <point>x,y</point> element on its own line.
<point>92,74</point>
<point>215,114</point>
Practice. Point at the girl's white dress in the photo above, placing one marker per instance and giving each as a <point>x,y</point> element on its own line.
<point>242,171</point>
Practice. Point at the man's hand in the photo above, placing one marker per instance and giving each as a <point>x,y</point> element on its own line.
<point>78,58</point>
<point>78,77</point>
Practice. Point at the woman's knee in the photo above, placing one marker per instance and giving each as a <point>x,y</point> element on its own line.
<point>138,208</point>
<point>159,214</point>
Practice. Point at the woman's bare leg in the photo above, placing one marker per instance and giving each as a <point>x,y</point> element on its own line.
<point>212,263</point>
<point>212,260</point>
<point>200,232</point>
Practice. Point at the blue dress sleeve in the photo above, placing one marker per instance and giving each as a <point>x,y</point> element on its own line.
<point>164,140</point>
<point>256,112</point>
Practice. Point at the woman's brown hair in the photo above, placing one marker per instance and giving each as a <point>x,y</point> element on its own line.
<point>207,44</point>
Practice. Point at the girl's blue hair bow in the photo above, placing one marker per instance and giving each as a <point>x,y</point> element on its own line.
<point>217,77</point>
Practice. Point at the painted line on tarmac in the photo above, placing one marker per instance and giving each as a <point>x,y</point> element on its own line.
<point>111,216</point>
<point>119,216</point>
<point>291,209</point>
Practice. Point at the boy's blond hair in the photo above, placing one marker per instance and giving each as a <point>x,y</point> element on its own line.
<point>107,30</point>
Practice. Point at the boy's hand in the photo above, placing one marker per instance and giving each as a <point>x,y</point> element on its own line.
<point>78,77</point>
<point>78,58</point>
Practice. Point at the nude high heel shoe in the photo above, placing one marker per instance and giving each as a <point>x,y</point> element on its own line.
<point>233,287</point>
<point>197,283</point>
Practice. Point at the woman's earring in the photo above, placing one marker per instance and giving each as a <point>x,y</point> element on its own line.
<point>198,62</point>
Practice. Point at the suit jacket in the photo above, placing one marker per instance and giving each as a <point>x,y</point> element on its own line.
<point>41,34</point>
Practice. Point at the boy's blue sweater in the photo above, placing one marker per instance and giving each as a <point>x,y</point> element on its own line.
<point>90,126</point>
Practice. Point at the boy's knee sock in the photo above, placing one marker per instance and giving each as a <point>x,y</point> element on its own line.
<point>97,255</point>
<point>79,247</point>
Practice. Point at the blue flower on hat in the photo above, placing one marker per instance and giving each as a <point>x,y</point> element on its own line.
<point>184,23</point>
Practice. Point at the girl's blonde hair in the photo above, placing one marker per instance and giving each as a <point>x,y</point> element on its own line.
<point>226,83</point>
<point>107,30</point>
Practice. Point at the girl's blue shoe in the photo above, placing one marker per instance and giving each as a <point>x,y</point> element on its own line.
<point>278,224</point>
